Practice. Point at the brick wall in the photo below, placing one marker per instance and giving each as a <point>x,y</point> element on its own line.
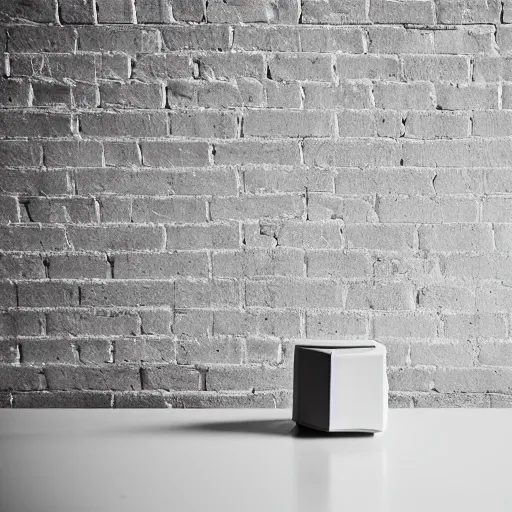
<point>189,186</point>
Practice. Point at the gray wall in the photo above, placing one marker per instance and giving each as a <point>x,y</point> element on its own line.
<point>187,188</point>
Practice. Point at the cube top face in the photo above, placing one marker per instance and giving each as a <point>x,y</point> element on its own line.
<point>340,387</point>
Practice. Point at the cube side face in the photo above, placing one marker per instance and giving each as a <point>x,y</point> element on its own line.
<point>311,388</point>
<point>358,391</point>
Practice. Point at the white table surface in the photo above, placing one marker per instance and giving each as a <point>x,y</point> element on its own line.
<point>252,460</point>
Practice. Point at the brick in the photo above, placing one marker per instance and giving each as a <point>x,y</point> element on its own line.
<point>324,325</point>
<point>124,124</point>
<point>397,40</point>
<point>67,377</point>
<point>347,95</point>
<point>237,377</point>
<point>465,40</point>
<point>21,378</point>
<point>45,294</point>
<point>207,293</point>
<point>24,124</point>
<point>332,40</point>
<point>20,323</point>
<point>439,353</point>
<point>218,94</point>
<point>48,351</point>
<point>492,124</point>
<point>290,66</point>
<point>455,153</point>
<point>120,154</point>
<point>161,265</point>
<point>188,10</point>
<point>20,153</point>
<point>271,123</point>
<point>268,322</point>
<point>480,380</point>
<point>464,237</point>
<point>255,207</point>
<point>389,11</point>
<point>207,399</point>
<point>411,379</point>
<point>77,12</point>
<point>56,66</point>
<point>492,68</point>
<point>8,297</point>
<point>227,351</point>
<point>498,181</point>
<point>323,207</point>
<point>85,95</point>
<point>506,96</point>
<point>496,209</point>
<point>458,181</point>
<point>33,183</point>
<point>333,12</point>
<point>264,179</point>
<point>405,326</point>
<point>211,236</point>
<point>500,401</point>
<point>256,152</point>
<point>397,352</point>
<point>267,38</point>
<point>410,96</point>
<point>259,262</point>
<point>504,38</point>
<point>179,209</point>
<point>62,400</point>
<point>438,125</point>
<point>284,293</point>
<point>201,37</point>
<point>468,11</point>
<point>424,268</point>
<point>471,326</point>
<point>367,123</point>
<point>94,351</point>
<point>14,93</point>
<point>154,11</point>
<point>353,152</point>
<point>170,377</point>
<point>120,238</point>
<point>452,400</point>
<point>113,67</point>
<point>139,399</point>
<point>117,11</point>
<point>192,323</point>
<point>229,65</point>
<point>506,16</point>
<point>33,39</point>
<point>306,235</point>
<point>135,94</point>
<point>115,293</point>
<point>77,266</point>
<point>98,323</point>
<point>51,93</point>
<point>426,210</point>
<point>483,266</point>
<point>284,12</point>
<point>223,125</point>
<point>447,298</point>
<point>464,97</point>
<point>137,350</point>
<point>400,401</point>
<point>492,297</point>
<point>495,353</point>
<point>374,67</point>
<point>174,154</point>
<point>281,95</point>
<point>32,238</point>
<point>117,39</point>
<point>380,297</point>
<point>383,181</point>
<point>75,211</point>
<point>8,209</point>
<point>262,351</point>
<point>42,12</point>
<point>156,321</point>
<point>21,267</point>
<point>73,153</point>
<point>451,68</point>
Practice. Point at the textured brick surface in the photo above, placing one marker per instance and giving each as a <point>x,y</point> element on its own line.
<point>187,187</point>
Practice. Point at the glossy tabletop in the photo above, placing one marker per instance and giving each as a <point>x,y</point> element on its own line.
<point>252,460</point>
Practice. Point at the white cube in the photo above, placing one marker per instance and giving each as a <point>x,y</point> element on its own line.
<point>340,385</point>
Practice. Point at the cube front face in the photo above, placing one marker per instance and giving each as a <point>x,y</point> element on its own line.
<point>341,389</point>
